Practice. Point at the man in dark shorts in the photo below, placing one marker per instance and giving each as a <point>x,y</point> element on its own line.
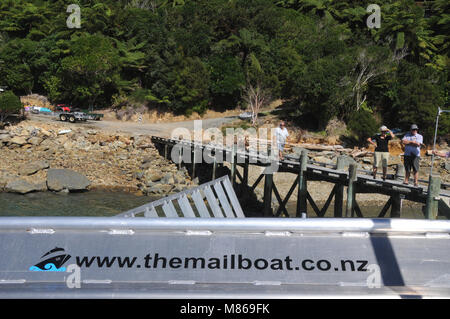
<point>412,142</point>
<point>381,154</point>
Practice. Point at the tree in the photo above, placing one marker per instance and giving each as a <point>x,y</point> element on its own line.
<point>9,104</point>
<point>363,124</point>
<point>227,79</point>
<point>190,86</point>
<point>371,62</point>
<point>414,97</point>
<point>256,98</point>
<point>91,69</point>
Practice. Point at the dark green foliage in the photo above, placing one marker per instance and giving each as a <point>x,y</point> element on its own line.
<point>227,80</point>
<point>184,55</point>
<point>363,124</point>
<point>415,95</point>
<point>9,104</point>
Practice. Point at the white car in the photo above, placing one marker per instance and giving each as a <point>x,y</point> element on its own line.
<point>245,115</point>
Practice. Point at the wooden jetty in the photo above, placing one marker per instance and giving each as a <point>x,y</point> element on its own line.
<point>434,195</point>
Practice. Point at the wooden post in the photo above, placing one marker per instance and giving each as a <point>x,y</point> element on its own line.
<point>245,176</point>
<point>351,191</point>
<point>396,209</point>
<point>339,193</point>
<point>179,156</point>
<point>434,188</point>
<point>193,161</point>
<point>400,172</point>
<point>268,183</point>
<point>166,151</point>
<point>302,185</point>
<point>214,168</point>
<point>233,165</point>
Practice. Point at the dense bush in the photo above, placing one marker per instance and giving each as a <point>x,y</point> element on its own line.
<point>363,124</point>
<point>9,104</point>
<point>184,56</point>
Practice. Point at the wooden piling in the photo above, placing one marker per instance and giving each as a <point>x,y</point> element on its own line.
<point>434,187</point>
<point>302,185</point>
<point>245,174</point>
<point>166,151</point>
<point>193,162</point>
<point>351,194</point>
<point>396,208</point>
<point>339,190</point>
<point>268,183</point>
<point>233,165</point>
<point>180,156</point>
<point>214,168</point>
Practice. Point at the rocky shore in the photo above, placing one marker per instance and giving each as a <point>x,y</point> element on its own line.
<point>52,157</point>
<point>37,156</point>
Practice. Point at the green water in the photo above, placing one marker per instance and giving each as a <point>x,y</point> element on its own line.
<point>104,203</point>
<point>411,212</point>
<point>92,203</point>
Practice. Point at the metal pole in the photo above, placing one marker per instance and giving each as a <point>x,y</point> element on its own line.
<point>434,143</point>
<point>435,136</point>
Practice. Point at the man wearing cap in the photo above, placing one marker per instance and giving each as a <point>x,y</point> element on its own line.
<point>412,142</point>
<point>381,155</point>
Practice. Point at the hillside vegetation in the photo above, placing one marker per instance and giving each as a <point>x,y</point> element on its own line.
<point>184,56</point>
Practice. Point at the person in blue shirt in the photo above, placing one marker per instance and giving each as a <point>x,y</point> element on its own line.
<point>412,142</point>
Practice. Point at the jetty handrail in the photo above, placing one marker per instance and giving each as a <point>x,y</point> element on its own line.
<point>376,225</point>
<point>261,157</point>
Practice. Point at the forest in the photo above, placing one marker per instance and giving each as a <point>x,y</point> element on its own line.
<point>183,56</point>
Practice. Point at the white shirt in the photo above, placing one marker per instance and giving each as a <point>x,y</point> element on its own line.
<point>281,135</point>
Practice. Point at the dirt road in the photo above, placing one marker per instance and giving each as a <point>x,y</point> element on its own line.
<point>158,129</point>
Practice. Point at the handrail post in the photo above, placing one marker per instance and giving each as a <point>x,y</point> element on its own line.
<point>432,205</point>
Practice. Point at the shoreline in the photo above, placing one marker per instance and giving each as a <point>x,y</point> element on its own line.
<point>126,163</point>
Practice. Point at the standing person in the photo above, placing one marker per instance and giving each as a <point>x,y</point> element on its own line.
<point>381,155</point>
<point>281,134</point>
<point>412,142</point>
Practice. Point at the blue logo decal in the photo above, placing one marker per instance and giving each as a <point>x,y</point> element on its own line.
<point>54,260</point>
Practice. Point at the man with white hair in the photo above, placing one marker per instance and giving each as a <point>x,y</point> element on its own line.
<point>381,154</point>
<point>281,134</point>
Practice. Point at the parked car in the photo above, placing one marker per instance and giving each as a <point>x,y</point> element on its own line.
<point>246,116</point>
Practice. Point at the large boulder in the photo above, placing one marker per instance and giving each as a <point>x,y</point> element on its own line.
<point>59,179</point>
